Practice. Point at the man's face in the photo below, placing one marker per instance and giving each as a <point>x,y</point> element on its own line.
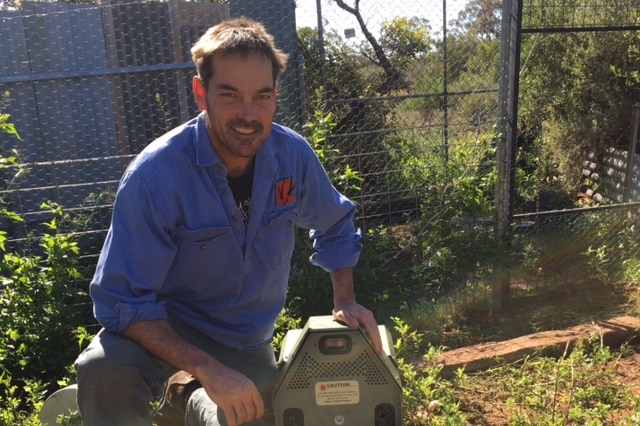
<point>240,102</point>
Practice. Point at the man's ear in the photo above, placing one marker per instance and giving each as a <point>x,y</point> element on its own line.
<point>199,93</point>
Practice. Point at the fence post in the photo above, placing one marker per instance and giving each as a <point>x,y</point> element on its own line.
<point>631,154</point>
<point>506,145</point>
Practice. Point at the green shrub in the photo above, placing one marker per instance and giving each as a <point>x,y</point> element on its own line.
<point>41,306</point>
<point>575,389</point>
<point>40,311</point>
<point>428,399</point>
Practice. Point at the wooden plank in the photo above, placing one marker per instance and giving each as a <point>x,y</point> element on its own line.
<point>137,27</point>
<point>74,115</point>
<point>613,333</point>
<point>14,55</point>
<point>115,86</point>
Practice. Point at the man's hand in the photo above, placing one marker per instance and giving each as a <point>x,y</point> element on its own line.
<point>347,310</point>
<point>356,316</point>
<point>235,394</point>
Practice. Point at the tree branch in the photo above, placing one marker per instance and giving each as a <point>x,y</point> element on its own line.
<point>393,78</point>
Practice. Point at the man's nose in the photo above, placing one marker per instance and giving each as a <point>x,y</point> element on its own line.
<point>247,110</point>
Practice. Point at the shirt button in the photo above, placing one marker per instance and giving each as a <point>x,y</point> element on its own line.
<point>225,192</point>
<point>220,169</point>
<point>289,223</point>
<point>203,247</point>
<point>235,217</point>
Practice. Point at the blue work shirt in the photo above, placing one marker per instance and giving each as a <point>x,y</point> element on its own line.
<point>178,243</point>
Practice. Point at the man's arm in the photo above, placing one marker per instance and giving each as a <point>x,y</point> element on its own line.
<point>232,391</point>
<point>347,310</point>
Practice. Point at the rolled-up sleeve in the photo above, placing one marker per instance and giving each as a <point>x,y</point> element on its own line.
<point>329,216</point>
<point>134,260</point>
<point>332,254</point>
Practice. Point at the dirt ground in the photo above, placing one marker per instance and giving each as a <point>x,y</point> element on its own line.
<point>572,304</point>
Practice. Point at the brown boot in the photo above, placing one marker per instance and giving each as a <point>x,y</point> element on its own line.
<point>174,402</point>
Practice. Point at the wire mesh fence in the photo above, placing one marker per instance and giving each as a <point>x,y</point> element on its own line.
<point>592,43</point>
<point>575,245</point>
<point>88,86</point>
<point>400,96</point>
<point>583,15</point>
<point>411,89</point>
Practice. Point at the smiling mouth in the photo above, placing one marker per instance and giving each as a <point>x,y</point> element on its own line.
<point>244,128</point>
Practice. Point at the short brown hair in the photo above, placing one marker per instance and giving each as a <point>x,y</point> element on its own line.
<point>240,35</point>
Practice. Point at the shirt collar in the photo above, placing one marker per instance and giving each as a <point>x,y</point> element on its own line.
<point>205,154</point>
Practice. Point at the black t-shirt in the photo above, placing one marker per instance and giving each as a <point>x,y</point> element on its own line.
<point>241,189</point>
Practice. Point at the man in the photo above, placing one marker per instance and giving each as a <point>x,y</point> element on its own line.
<point>195,266</point>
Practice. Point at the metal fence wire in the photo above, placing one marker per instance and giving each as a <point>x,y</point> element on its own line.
<point>555,246</point>
<point>578,15</point>
<point>88,85</point>
<point>574,244</point>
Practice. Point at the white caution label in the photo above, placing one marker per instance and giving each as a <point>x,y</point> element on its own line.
<point>338,393</point>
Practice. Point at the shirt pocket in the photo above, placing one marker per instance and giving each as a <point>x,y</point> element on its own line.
<point>280,235</point>
<point>202,255</point>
